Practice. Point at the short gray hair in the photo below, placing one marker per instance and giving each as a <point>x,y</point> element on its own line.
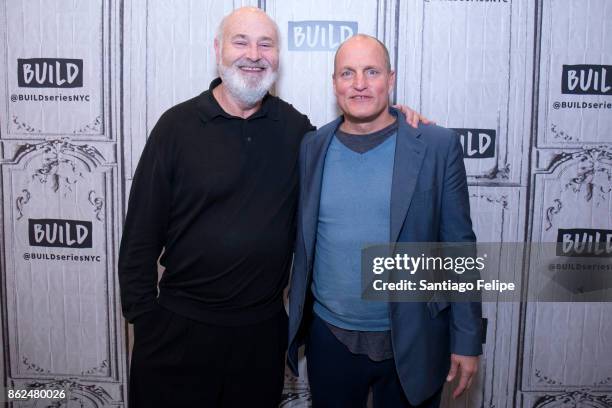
<point>383,46</point>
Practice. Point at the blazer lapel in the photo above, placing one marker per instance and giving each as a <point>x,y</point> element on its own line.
<point>315,161</point>
<point>409,154</point>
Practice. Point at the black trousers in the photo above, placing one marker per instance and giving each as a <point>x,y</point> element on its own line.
<point>339,378</point>
<point>178,362</point>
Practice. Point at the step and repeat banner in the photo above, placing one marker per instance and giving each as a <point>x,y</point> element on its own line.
<point>526,85</point>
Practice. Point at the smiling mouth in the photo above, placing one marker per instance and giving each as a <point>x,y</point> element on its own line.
<point>360,97</point>
<point>252,69</point>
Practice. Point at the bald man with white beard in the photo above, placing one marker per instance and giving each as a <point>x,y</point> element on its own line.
<point>215,193</point>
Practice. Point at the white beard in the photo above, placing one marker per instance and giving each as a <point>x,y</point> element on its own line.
<point>248,91</point>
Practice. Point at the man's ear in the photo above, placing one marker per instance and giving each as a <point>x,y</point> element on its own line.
<point>391,80</point>
<point>217,51</point>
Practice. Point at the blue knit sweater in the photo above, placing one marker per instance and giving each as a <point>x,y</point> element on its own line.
<point>354,212</point>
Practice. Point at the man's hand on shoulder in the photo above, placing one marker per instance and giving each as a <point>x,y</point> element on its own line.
<point>466,367</point>
<point>413,117</point>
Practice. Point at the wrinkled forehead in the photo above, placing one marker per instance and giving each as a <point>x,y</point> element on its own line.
<point>360,52</point>
<point>250,25</point>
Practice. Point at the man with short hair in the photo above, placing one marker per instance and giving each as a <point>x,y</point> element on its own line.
<point>367,177</point>
<point>216,188</point>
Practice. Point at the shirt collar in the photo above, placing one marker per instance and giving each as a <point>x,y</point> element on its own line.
<point>209,107</point>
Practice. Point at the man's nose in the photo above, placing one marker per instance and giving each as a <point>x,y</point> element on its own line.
<point>359,82</point>
<point>253,53</point>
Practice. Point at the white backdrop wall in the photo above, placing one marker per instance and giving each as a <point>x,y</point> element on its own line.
<point>527,84</point>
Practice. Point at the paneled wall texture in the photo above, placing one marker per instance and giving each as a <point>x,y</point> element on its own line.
<point>527,84</point>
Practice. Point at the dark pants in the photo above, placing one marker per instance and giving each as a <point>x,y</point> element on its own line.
<point>178,362</point>
<point>339,378</point>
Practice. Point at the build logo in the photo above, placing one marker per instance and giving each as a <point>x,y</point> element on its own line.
<point>586,80</point>
<point>319,35</point>
<point>585,242</point>
<point>49,232</point>
<point>477,143</point>
<point>50,73</point>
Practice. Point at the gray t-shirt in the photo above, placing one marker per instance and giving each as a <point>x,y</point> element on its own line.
<point>363,143</point>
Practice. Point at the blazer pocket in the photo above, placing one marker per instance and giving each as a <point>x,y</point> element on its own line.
<point>436,307</point>
<point>426,189</point>
<point>423,202</point>
<point>425,196</point>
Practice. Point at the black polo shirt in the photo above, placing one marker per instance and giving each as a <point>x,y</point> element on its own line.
<point>219,194</point>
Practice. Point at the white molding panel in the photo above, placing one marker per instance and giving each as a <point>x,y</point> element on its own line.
<point>468,65</point>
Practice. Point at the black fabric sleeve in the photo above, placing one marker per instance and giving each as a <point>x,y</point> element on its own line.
<point>146,223</point>
<point>309,126</point>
